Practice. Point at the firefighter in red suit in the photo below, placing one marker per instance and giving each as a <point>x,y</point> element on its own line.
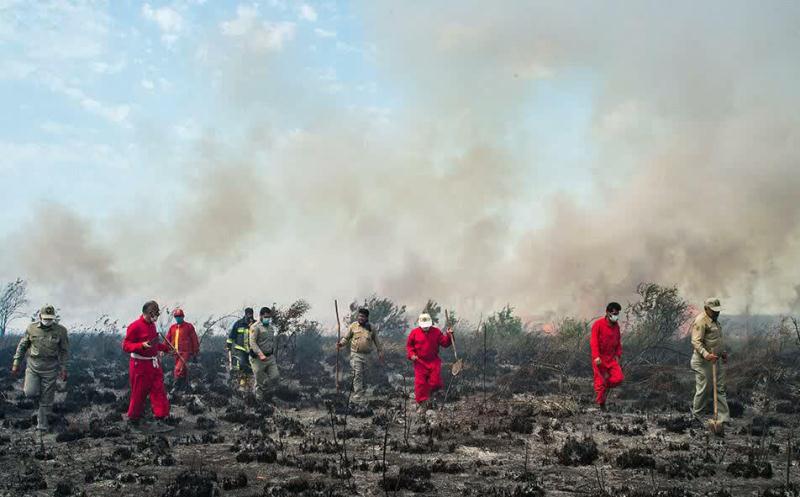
<point>422,348</point>
<point>183,338</point>
<point>606,351</point>
<point>146,376</point>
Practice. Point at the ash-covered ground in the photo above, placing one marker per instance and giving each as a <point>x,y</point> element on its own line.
<point>533,432</point>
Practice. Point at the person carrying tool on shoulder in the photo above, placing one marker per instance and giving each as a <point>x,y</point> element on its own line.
<point>361,336</point>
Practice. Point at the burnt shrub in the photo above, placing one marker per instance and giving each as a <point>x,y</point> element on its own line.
<point>193,483</point>
<point>578,452</point>
<point>635,459</point>
<point>521,424</point>
<point>234,482</point>
<point>414,478</point>
<point>676,424</point>
<point>790,490</point>
<point>681,466</point>
<point>746,469</point>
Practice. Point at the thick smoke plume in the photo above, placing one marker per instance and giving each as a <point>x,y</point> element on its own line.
<point>692,172</point>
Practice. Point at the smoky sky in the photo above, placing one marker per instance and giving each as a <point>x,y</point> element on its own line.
<point>693,180</point>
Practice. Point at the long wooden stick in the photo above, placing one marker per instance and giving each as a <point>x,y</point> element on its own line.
<point>338,339</point>
<point>714,379</point>
<point>484,364</point>
<point>177,354</point>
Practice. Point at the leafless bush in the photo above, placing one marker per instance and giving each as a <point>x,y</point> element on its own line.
<point>652,324</point>
<point>12,298</point>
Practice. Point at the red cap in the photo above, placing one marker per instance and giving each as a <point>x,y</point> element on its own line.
<point>177,312</point>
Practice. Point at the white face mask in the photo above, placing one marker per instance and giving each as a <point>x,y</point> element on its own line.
<point>47,322</point>
<point>613,317</point>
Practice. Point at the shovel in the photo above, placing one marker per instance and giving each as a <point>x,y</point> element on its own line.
<point>715,425</point>
<point>457,366</point>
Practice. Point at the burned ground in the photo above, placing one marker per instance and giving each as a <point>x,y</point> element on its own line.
<point>532,432</point>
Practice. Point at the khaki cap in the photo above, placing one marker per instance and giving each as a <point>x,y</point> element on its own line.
<point>713,304</point>
<point>47,312</point>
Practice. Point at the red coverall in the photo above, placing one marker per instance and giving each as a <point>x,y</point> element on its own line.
<point>428,366</point>
<point>184,339</point>
<point>146,376</point>
<point>607,346</point>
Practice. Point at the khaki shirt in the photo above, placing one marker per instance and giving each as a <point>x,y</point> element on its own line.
<point>262,339</point>
<point>44,343</point>
<point>706,335</point>
<point>361,339</point>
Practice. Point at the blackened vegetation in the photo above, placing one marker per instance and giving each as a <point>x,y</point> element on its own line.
<point>676,424</point>
<point>532,431</point>
<point>636,459</point>
<point>576,452</point>
<point>748,469</point>
<point>194,483</point>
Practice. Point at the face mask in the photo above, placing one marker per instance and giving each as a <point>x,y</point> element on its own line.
<point>613,317</point>
<point>266,321</point>
<point>179,320</point>
<point>47,322</point>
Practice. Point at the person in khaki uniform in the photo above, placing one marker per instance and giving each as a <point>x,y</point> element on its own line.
<point>47,346</point>
<point>708,349</point>
<point>262,354</point>
<point>362,337</point>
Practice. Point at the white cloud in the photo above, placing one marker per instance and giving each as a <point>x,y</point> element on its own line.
<point>15,69</point>
<point>147,84</point>
<point>69,130</point>
<point>54,34</point>
<point>117,114</point>
<point>323,33</point>
<point>273,36</point>
<point>260,35</point>
<point>18,155</point>
<point>244,22</point>
<point>307,13</point>
<point>169,21</point>
<point>101,67</point>
<point>188,130</point>
<point>278,4</point>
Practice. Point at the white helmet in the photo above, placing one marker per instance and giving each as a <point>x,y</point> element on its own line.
<point>425,321</point>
